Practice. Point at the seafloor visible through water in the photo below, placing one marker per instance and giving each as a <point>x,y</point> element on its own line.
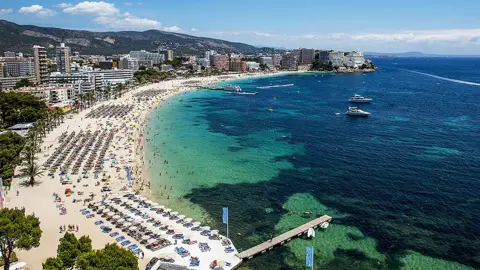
<point>403,185</point>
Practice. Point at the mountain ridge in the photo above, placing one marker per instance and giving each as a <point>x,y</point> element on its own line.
<point>21,38</point>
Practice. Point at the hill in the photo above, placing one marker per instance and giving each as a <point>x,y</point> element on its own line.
<point>21,38</point>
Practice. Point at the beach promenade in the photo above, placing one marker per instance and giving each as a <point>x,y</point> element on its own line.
<point>103,141</point>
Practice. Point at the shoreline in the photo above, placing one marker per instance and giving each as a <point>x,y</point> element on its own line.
<point>127,146</point>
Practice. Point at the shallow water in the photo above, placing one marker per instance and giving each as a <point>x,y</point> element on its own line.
<point>401,185</point>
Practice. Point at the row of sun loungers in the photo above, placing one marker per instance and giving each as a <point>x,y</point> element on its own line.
<point>110,111</point>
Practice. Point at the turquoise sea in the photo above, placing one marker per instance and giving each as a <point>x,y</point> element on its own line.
<point>403,185</point>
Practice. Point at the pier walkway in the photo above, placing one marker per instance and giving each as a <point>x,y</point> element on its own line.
<point>281,239</point>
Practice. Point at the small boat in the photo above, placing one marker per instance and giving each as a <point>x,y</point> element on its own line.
<point>242,93</point>
<point>270,110</point>
<point>355,111</point>
<point>310,233</point>
<point>230,87</point>
<point>307,214</point>
<point>359,99</point>
<point>324,225</point>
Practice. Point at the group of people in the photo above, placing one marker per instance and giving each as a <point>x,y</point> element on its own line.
<point>71,228</point>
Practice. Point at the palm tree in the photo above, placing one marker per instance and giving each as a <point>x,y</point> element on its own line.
<point>31,170</point>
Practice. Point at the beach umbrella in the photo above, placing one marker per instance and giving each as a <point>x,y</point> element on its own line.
<point>133,228</point>
<point>170,228</point>
<point>155,204</point>
<point>181,216</point>
<point>215,232</point>
<point>206,228</point>
<point>221,263</point>
<point>125,212</point>
<point>161,206</point>
<point>116,217</point>
<point>187,236</point>
<point>174,213</point>
<point>151,241</point>
<point>106,211</point>
<point>111,214</point>
<point>127,224</point>
<point>145,237</point>
<point>196,223</point>
<point>168,210</point>
<point>188,219</point>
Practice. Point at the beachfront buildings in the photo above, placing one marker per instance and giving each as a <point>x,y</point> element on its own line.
<point>289,61</point>
<point>276,59</point>
<point>306,56</point>
<point>41,65</point>
<point>128,62</point>
<point>18,67</point>
<point>235,63</point>
<point>155,58</point>
<point>220,62</point>
<point>9,54</point>
<point>354,59</point>
<point>266,60</point>
<point>59,96</point>
<point>7,83</point>
<point>62,57</point>
<point>252,66</point>
<point>168,54</point>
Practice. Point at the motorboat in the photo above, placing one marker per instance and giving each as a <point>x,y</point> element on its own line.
<point>324,225</point>
<point>355,111</point>
<point>231,87</point>
<point>310,233</point>
<point>359,99</point>
<point>242,93</point>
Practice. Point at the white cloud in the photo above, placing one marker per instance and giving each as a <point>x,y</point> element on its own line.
<point>128,21</point>
<point>37,10</point>
<point>63,5</point>
<point>173,28</point>
<point>5,11</point>
<point>98,8</point>
<point>193,30</point>
<point>108,15</point>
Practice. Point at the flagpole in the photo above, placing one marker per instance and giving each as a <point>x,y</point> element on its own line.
<point>227,223</point>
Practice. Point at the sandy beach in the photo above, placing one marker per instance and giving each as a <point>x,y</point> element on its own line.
<point>125,149</point>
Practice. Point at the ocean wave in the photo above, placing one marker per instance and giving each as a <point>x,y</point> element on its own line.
<point>443,78</point>
<point>275,86</point>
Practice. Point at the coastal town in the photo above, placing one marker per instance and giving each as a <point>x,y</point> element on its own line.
<point>78,164</point>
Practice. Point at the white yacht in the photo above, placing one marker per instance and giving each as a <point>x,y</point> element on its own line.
<point>359,99</point>
<point>230,87</point>
<point>354,111</point>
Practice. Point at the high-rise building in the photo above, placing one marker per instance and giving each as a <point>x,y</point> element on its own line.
<point>41,66</point>
<point>62,54</point>
<point>20,68</point>
<point>266,60</point>
<point>219,61</point>
<point>306,56</point>
<point>2,70</point>
<point>235,64</point>
<point>276,59</point>
<point>167,53</point>
<point>156,58</point>
<point>128,63</point>
<point>209,53</point>
<point>9,54</point>
<point>289,61</point>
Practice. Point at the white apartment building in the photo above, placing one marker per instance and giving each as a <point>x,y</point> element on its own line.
<point>114,76</point>
<point>266,60</point>
<point>253,65</point>
<point>143,55</point>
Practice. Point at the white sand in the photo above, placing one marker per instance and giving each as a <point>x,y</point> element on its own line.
<point>39,200</point>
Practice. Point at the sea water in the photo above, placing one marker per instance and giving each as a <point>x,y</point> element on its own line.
<point>402,186</point>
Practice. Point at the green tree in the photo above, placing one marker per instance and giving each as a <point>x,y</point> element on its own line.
<point>53,264</point>
<point>12,144</point>
<point>78,254</point>
<point>31,171</point>
<point>23,83</point>
<point>17,231</point>
<point>70,248</point>
<point>20,108</point>
<point>112,257</point>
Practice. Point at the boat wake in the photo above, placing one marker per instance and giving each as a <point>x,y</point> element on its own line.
<point>275,86</point>
<point>443,78</point>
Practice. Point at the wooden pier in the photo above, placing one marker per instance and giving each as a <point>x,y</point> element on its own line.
<point>281,239</point>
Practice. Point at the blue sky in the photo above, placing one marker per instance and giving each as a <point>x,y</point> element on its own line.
<point>432,26</point>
